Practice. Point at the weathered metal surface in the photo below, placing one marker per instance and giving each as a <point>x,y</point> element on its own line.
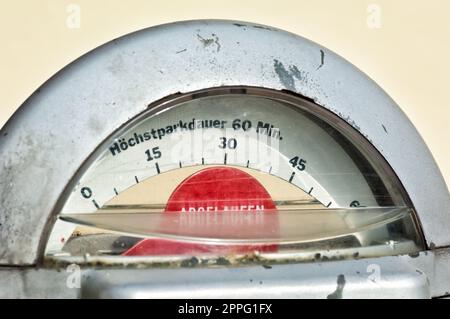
<point>387,277</point>
<point>436,265</point>
<point>327,280</point>
<point>419,276</point>
<point>35,283</point>
<point>59,126</point>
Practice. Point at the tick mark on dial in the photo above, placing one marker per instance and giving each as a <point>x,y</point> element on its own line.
<point>329,204</point>
<point>310,190</point>
<point>157,168</point>
<point>270,170</point>
<point>115,191</point>
<point>248,163</point>
<point>95,203</point>
<point>203,161</point>
<point>225,159</point>
<point>136,179</point>
<point>292,177</point>
<point>180,164</point>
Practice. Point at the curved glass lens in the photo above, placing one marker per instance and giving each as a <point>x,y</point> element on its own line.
<point>233,172</point>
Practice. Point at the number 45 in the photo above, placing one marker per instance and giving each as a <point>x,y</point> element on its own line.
<point>298,163</point>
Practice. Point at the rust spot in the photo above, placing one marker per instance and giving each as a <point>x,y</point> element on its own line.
<point>190,262</point>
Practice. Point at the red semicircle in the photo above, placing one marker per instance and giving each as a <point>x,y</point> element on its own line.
<point>211,190</point>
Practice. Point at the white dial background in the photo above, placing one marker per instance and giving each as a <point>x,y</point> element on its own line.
<point>326,170</point>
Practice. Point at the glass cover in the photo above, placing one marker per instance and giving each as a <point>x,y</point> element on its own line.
<point>225,174</point>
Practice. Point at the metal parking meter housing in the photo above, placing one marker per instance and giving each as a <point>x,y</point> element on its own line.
<point>54,133</point>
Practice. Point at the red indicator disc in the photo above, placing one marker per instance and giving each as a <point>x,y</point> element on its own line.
<point>213,191</point>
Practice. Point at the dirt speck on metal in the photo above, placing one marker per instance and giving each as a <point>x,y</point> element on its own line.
<point>322,59</point>
<point>338,293</point>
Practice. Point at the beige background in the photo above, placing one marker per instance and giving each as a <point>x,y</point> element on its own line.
<point>409,55</point>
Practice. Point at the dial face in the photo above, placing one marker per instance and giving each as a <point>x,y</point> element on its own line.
<point>233,171</point>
